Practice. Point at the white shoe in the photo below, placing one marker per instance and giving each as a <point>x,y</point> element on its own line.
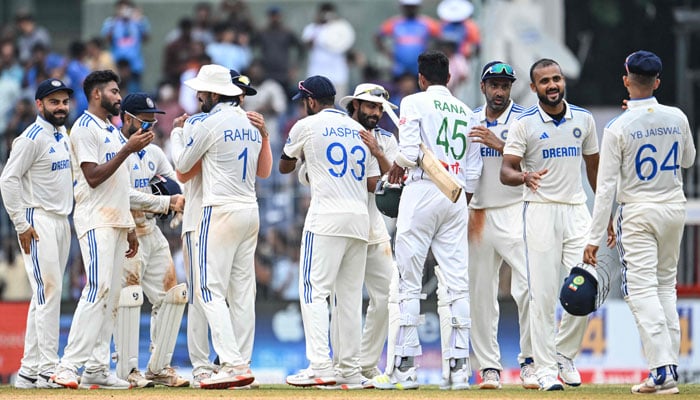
<point>490,379</point>
<point>528,377</point>
<point>550,383</point>
<point>567,371</point>
<point>370,373</point>
<point>167,377</point>
<point>24,382</point>
<point>342,383</point>
<point>66,377</point>
<point>45,381</point>
<point>459,379</point>
<point>137,380</point>
<point>406,380</point>
<point>312,377</point>
<point>253,385</point>
<point>102,380</point>
<point>652,386</point>
<point>227,377</point>
<point>197,379</point>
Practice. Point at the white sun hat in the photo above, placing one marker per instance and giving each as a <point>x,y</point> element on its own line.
<point>215,79</point>
<point>368,92</point>
<point>455,10</point>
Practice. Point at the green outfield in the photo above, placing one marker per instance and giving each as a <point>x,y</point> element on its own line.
<point>593,392</point>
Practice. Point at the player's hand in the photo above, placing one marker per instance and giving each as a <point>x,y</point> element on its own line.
<point>532,179</point>
<point>177,203</point>
<point>589,254</point>
<point>610,241</point>
<point>624,104</point>
<point>396,173</point>
<point>370,141</point>
<point>133,244</point>
<point>258,121</point>
<point>139,140</point>
<point>25,239</point>
<point>179,122</point>
<point>481,134</point>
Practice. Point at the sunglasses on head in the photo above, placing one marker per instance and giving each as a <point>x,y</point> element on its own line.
<point>305,90</point>
<point>145,125</point>
<point>376,92</point>
<point>499,68</point>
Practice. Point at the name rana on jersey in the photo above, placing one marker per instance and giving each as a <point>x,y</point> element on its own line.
<point>251,135</point>
<point>445,106</point>
<point>342,131</point>
<point>660,131</point>
<point>558,152</point>
<point>59,165</point>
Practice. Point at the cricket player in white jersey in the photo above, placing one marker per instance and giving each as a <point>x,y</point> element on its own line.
<point>341,171</point>
<point>152,271</point>
<point>229,223</point>
<point>427,219</point>
<point>550,140</point>
<point>105,230</point>
<point>493,238</point>
<point>641,157</point>
<point>37,191</point>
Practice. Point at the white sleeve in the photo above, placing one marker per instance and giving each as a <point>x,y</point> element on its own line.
<point>516,142</point>
<point>140,201</point>
<point>85,146</point>
<point>197,143</point>
<point>473,165</point>
<point>294,147</point>
<point>606,184</point>
<point>177,143</point>
<point>688,156</point>
<point>409,129</point>
<point>22,156</point>
<point>590,143</point>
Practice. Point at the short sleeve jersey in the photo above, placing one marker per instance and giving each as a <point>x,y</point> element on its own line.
<point>338,164</point>
<point>107,205</point>
<point>193,187</point>
<point>557,146</point>
<point>490,192</point>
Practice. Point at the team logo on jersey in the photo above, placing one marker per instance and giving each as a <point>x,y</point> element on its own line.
<point>136,167</point>
<point>577,133</point>
<point>51,150</point>
<point>107,140</point>
<point>504,134</point>
<point>544,135</point>
<point>151,166</point>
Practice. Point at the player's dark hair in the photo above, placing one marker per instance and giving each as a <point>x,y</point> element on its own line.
<point>434,66</point>
<point>326,101</point>
<point>541,63</point>
<point>646,81</point>
<point>351,108</point>
<point>98,79</point>
<point>236,100</point>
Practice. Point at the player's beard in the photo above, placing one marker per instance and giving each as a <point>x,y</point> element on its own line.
<point>369,121</point>
<point>495,107</point>
<point>307,107</point>
<point>207,103</point>
<point>552,103</point>
<point>55,118</point>
<point>112,108</point>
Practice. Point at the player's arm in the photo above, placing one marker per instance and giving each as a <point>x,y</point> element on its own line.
<point>265,158</point>
<point>591,161</point>
<point>294,147</point>
<point>96,174</point>
<point>409,141</point>
<point>21,158</point>
<point>472,169</point>
<point>371,142</point>
<point>197,143</point>
<point>481,134</point>
<point>688,156</point>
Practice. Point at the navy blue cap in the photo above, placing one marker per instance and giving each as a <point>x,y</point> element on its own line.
<point>643,62</point>
<point>49,86</point>
<point>242,82</point>
<point>315,87</point>
<point>136,103</point>
<point>497,69</point>
<point>578,294</point>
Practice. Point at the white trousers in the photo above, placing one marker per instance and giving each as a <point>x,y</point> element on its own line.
<point>197,327</point>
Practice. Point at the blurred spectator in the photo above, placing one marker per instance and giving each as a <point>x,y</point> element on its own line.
<point>329,38</point>
<point>404,85</point>
<point>76,71</point>
<point>409,35</point>
<point>187,96</point>
<point>237,14</point>
<point>178,52</point>
<point>43,64</point>
<point>23,114</point>
<point>11,75</point>
<point>231,48</point>
<point>459,27</point>
<point>167,101</point>
<point>459,67</point>
<point>202,29</point>
<point>126,32</point>
<point>29,34</point>
<point>97,57</point>
<point>276,42</point>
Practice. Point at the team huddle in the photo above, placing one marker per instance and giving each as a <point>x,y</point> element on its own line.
<point>500,183</point>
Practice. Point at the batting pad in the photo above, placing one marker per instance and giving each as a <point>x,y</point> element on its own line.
<point>168,320</point>
<point>126,337</point>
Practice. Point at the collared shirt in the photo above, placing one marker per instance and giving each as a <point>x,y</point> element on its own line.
<point>38,173</point>
<point>641,156</point>
<point>338,164</point>
<point>98,141</point>
<point>490,192</point>
<point>442,122</point>
<point>558,146</point>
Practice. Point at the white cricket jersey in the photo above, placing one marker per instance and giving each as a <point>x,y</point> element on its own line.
<point>193,187</point>
<point>641,156</point>
<point>338,164</point>
<point>377,228</point>
<point>98,141</point>
<point>37,173</point>
<point>229,147</point>
<point>490,192</point>
<point>143,167</point>
<point>559,147</point>
<point>442,122</point>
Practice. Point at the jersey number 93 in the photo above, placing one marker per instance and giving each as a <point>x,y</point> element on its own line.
<point>337,155</point>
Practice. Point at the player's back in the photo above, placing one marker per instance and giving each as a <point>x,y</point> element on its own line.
<point>656,142</point>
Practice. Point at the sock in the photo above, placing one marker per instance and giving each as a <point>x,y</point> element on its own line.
<point>405,364</point>
<point>457,363</point>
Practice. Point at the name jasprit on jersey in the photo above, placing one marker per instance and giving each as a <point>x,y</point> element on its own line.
<point>342,131</point>
<point>251,135</point>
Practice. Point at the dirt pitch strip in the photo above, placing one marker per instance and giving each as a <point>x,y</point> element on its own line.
<point>284,392</point>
